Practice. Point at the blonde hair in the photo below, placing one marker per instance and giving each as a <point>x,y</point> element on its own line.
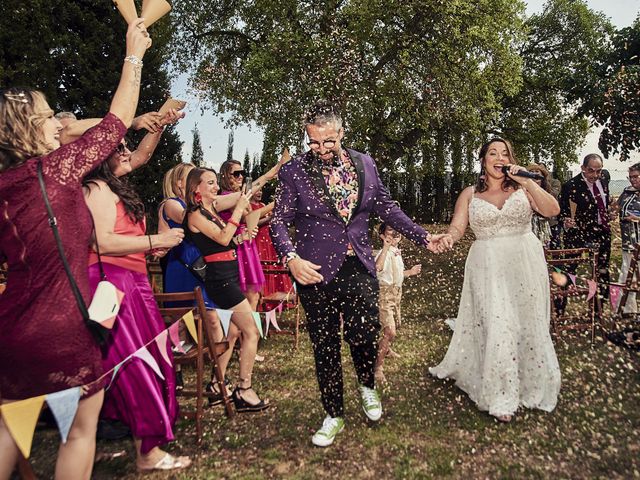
<point>170,187</point>
<point>21,135</point>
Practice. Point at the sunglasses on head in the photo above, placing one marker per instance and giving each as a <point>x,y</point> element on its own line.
<point>238,173</point>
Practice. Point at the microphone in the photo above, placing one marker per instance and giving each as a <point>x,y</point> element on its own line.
<point>523,173</point>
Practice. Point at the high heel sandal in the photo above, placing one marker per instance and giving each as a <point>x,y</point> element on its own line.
<point>242,405</point>
<point>217,398</point>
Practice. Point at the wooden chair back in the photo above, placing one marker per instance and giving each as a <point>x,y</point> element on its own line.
<point>575,257</point>
<point>204,348</point>
<point>290,300</point>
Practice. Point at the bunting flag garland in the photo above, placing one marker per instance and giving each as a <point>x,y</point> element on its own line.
<point>572,277</point>
<point>593,287</point>
<point>614,295</point>
<point>161,341</point>
<point>64,406</point>
<point>20,418</point>
<point>225,319</point>
<point>191,325</point>
<point>144,355</point>
<point>256,317</point>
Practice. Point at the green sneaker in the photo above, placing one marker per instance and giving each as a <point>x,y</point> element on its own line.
<point>371,403</point>
<point>327,433</point>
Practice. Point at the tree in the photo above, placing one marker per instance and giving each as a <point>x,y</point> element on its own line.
<point>246,164</point>
<point>230,146</point>
<point>398,68</point>
<point>613,100</point>
<point>544,119</point>
<point>197,155</point>
<point>73,52</point>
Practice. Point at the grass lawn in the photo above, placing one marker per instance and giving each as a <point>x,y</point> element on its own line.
<point>429,429</point>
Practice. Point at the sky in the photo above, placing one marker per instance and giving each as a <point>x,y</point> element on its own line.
<point>214,132</point>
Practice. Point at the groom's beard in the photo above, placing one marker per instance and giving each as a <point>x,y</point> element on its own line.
<point>335,158</point>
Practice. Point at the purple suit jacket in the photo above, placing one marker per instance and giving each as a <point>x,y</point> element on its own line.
<point>321,235</point>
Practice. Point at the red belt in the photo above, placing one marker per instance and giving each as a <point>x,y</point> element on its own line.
<point>227,256</point>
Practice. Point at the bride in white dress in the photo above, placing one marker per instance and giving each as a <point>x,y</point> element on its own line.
<point>501,353</point>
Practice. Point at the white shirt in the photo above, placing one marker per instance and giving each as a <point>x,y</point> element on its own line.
<point>392,273</point>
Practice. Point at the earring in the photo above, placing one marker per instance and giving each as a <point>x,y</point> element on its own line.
<point>197,197</point>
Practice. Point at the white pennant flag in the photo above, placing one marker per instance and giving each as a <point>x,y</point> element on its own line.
<point>144,355</point>
<point>225,318</point>
<point>161,341</point>
<point>64,406</point>
<point>273,319</point>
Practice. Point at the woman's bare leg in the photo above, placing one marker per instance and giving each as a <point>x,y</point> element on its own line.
<point>75,458</point>
<point>243,319</point>
<point>8,451</point>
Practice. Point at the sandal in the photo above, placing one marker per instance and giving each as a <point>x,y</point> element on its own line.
<point>168,462</point>
<point>212,387</point>
<point>242,405</point>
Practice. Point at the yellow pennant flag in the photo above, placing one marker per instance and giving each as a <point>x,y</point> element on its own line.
<point>190,322</point>
<point>20,418</point>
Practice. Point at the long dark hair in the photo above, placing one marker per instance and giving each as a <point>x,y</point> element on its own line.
<point>481,183</point>
<point>225,174</point>
<point>193,180</point>
<point>133,205</point>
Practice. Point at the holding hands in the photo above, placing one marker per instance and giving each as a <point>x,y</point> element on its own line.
<point>138,39</point>
<point>440,243</point>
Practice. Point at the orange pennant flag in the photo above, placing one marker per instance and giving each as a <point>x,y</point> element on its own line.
<point>190,322</point>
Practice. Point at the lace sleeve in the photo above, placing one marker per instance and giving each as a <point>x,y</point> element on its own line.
<point>73,161</point>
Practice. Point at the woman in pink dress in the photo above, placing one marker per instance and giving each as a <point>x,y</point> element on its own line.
<point>138,396</point>
<point>46,346</point>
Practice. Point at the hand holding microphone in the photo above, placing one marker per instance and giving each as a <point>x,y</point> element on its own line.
<point>506,169</point>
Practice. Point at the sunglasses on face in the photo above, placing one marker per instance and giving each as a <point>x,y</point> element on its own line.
<point>314,145</point>
<point>238,173</point>
<point>121,148</point>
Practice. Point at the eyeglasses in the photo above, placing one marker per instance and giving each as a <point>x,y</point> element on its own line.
<point>238,173</point>
<point>314,145</point>
<point>121,148</point>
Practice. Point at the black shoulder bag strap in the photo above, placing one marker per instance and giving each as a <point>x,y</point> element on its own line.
<point>99,332</point>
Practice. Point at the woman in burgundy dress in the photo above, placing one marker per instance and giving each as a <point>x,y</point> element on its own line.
<point>46,346</point>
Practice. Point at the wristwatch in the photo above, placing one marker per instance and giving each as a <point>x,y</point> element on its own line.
<point>290,256</point>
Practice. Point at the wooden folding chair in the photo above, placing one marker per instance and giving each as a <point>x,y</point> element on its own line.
<point>587,258</point>
<point>289,300</point>
<point>630,284</point>
<point>155,275</point>
<point>204,348</point>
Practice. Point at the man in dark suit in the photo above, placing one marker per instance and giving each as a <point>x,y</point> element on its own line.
<point>584,206</point>
<point>328,193</point>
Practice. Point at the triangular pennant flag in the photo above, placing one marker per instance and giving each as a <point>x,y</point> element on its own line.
<point>225,318</point>
<point>20,418</point>
<point>161,341</point>
<point>144,355</point>
<point>115,372</point>
<point>274,319</point>
<point>614,295</point>
<point>279,307</point>
<point>573,278</point>
<point>557,269</point>
<point>190,322</point>
<point>64,406</point>
<point>593,286</point>
<point>174,334</point>
<point>256,318</point>
<point>266,323</point>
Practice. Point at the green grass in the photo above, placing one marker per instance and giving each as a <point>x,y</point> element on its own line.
<point>430,429</point>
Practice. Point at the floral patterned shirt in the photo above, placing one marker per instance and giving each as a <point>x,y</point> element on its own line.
<point>341,180</point>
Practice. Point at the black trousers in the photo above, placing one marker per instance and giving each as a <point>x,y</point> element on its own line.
<point>352,294</point>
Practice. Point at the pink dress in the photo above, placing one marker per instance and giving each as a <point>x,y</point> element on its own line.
<point>251,274</point>
<point>46,346</point>
<point>137,397</point>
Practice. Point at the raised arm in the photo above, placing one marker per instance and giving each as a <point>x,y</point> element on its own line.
<point>149,143</point>
<point>199,223</point>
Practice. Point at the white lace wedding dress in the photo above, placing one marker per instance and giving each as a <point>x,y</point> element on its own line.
<point>501,353</point>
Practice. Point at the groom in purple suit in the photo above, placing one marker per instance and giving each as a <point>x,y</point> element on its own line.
<point>328,193</point>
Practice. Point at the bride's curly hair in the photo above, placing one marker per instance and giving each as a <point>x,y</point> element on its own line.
<point>481,183</point>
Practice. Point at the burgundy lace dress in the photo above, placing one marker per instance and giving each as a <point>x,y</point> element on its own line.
<point>44,344</point>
